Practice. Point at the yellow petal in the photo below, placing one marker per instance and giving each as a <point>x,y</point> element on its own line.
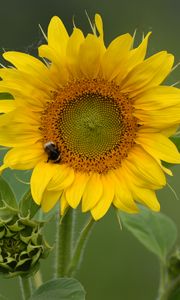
<point>161,118</point>
<point>90,54</point>
<point>106,198</point>
<point>149,73</point>
<point>17,117</point>
<point>123,196</point>
<point>19,129</point>
<point>72,52</point>
<point>166,170</point>
<point>134,57</point>
<point>159,146</point>
<point>55,51</point>
<point>30,65</point>
<point>75,191</point>
<point>7,106</point>
<point>48,52</point>
<point>31,104</point>
<point>144,166</point>
<point>120,205</point>
<point>92,192</point>
<point>140,193</point>
<point>57,36</point>
<point>25,62</point>
<point>49,200</point>
<point>63,204</point>
<point>25,158</point>
<point>114,55</point>
<point>169,131</point>
<point>138,54</point>
<point>62,178</point>
<point>41,176</point>
<point>28,93</point>
<point>145,196</point>
<point>99,25</point>
<point>58,68</point>
<point>157,98</point>
<point>132,176</point>
<point>17,137</point>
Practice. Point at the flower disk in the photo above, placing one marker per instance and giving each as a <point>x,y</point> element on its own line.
<point>93,122</point>
<point>92,125</point>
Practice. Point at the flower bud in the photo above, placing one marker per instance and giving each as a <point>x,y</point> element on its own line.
<point>21,246</point>
<point>174,264</point>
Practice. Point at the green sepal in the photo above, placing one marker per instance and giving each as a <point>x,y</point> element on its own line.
<point>61,288</point>
<point>6,211</point>
<point>29,222</point>
<point>27,206</point>
<point>7,194</point>
<point>47,249</point>
<point>155,231</point>
<point>16,227</point>
<point>2,233</point>
<point>34,269</point>
<point>8,204</point>
<point>22,262</point>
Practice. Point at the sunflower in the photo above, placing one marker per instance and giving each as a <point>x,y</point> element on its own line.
<point>91,121</point>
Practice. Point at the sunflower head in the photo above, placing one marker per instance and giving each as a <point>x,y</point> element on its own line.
<point>21,246</point>
<point>92,120</point>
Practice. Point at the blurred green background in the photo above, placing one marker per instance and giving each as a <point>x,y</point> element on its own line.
<point>115,266</point>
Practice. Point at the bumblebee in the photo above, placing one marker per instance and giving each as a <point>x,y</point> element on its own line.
<point>52,151</point>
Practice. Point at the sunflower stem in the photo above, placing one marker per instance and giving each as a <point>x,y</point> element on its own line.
<point>163,281</point>
<point>37,279</point>
<point>79,248</point>
<point>64,242</point>
<point>25,286</point>
<point>168,290</point>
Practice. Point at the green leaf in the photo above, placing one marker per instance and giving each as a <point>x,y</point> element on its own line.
<point>155,231</point>
<point>6,194</point>
<point>60,289</point>
<point>27,205</point>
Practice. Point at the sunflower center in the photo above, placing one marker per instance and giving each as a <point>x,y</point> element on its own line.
<point>91,123</point>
